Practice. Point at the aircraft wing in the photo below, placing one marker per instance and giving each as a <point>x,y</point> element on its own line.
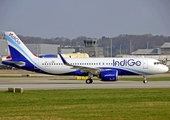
<point>95,71</point>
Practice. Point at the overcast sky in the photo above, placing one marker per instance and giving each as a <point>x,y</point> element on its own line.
<point>90,18</point>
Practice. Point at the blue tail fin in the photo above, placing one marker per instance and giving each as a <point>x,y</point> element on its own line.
<point>17,49</point>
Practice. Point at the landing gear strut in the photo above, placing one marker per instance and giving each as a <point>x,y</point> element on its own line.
<point>144,80</point>
<point>89,80</point>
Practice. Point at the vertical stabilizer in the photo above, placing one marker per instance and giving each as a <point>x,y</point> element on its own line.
<point>17,49</point>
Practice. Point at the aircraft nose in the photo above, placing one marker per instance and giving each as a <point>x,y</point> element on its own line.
<point>166,69</point>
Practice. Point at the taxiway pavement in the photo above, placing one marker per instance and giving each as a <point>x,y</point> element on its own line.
<point>50,83</point>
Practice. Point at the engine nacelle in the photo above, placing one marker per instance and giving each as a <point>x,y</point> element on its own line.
<point>111,75</point>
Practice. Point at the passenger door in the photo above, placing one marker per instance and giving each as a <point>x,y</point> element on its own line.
<point>145,63</point>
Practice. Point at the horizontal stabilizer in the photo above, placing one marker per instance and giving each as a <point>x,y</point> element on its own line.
<point>18,63</point>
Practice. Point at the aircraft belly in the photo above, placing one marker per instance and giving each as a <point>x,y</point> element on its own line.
<point>58,70</point>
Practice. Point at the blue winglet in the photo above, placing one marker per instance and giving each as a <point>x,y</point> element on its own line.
<point>63,60</point>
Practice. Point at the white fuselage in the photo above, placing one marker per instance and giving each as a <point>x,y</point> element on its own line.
<point>142,66</point>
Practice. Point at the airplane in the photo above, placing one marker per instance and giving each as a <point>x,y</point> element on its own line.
<point>108,69</point>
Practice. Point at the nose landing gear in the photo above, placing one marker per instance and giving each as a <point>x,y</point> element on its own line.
<point>144,80</point>
<point>88,81</point>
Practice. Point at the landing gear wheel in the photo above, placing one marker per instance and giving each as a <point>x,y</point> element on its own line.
<point>88,81</point>
<point>145,81</point>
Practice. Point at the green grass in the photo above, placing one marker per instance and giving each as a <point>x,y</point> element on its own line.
<point>93,104</point>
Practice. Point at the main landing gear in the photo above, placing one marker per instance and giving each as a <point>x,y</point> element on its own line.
<point>144,80</point>
<point>89,80</point>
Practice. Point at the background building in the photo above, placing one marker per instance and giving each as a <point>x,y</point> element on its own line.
<point>91,48</point>
<point>40,49</point>
<point>65,50</point>
<point>165,48</point>
<point>155,51</point>
<point>4,51</point>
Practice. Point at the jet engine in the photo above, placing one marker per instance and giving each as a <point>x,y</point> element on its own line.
<point>111,75</point>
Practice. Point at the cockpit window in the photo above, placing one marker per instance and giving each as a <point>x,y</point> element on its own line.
<point>157,63</point>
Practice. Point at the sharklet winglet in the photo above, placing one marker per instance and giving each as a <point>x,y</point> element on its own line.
<point>63,60</point>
